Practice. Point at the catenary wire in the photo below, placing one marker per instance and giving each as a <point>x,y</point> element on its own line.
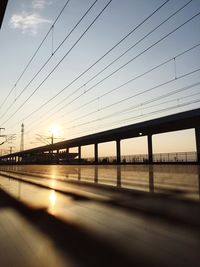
<point>47,102</point>
<point>126,83</point>
<point>135,57</point>
<point>118,69</point>
<point>55,67</point>
<point>137,105</point>
<point>35,53</point>
<point>120,56</point>
<point>120,86</point>
<point>132,118</point>
<point>130,97</point>
<point>143,104</point>
<point>48,60</point>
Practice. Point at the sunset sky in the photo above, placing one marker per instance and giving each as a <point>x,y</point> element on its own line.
<point>96,76</point>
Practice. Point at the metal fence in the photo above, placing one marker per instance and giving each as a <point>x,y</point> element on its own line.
<point>157,157</point>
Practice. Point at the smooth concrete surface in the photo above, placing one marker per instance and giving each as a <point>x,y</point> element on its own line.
<point>91,224</point>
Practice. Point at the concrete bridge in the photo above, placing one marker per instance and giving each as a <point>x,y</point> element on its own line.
<point>180,121</point>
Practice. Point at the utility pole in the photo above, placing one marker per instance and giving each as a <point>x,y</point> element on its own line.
<point>22,138</point>
<point>11,149</point>
<point>52,137</point>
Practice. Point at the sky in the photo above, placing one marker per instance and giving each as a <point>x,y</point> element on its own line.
<point>103,71</point>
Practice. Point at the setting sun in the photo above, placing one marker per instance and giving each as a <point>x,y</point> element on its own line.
<point>54,129</point>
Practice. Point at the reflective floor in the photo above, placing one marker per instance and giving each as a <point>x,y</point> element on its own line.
<point>103,205</point>
<point>182,181</point>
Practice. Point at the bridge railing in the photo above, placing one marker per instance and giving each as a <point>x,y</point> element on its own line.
<point>157,157</point>
<point>176,157</point>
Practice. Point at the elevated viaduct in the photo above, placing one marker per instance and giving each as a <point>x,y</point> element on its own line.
<point>180,121</point>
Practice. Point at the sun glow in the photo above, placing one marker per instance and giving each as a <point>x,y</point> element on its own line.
<point>52,198</point>
<point>54,129</point>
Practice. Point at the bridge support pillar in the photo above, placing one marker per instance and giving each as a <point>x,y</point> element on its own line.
<point>197,135</point>
<point>150,148</point>
<point>96,152</point>
<point>79,153</point>
<point>67,150</point>
<point>118,150</point>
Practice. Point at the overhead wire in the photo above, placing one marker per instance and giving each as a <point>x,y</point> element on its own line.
<point>111,49</point>
<point>129,61</point>
<point>135,57</point>
<point>120,86</point>
<point>130,97</point>
<point>138,105</point>
<point>133,118</point>
<point>166,109</point>
<point>49,58</point>
<point>124,65</point>
<point>35,53</point>
<point>55,67</point>
<point>120,56</point>
<point>128,82</point>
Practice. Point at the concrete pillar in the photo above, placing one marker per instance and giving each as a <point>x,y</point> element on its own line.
<point>118,150</point>
<point>197,135</point>
<point>96,152</point>
<point>67,150</point>
<point>150,149</point>
<point>79,153</point>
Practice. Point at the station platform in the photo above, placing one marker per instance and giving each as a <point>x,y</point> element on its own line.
<point>44,222</point>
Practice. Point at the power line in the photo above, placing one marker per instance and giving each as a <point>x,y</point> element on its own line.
<point>130,97</point>
<point>118,69</point>
<point>118,87</point>
<point>147,114</point>
<point>167,95</point>
<point>123,84</point>
<point>190,19</point>
<point>137,105</point>
<point>35,53</point>
<point>124,53</point>
<point>128,82</point>
<point>141,104</point>
<point>117,122</point>
<point>47,61</point>
<point>132,59</point>
<point>167,109</point>
<point>96,18</point>
<point>111,49</point>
